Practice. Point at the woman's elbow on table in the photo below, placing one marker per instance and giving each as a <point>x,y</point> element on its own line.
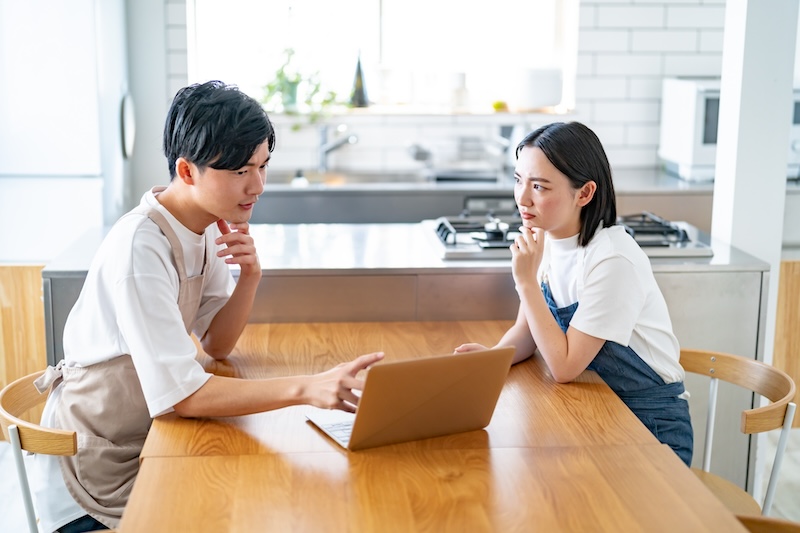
<point>565,373</point>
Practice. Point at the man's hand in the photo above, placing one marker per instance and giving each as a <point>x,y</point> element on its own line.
<point>239,247</point>
<point>333,389</point>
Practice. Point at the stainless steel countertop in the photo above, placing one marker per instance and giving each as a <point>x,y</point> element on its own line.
<point>379,249</point>
<point>626,181</point>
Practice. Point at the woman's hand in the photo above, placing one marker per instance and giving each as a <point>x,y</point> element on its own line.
<point>239,246</point>
<point>470,347</point>
<point>526,255</point>
<point>333,389</point>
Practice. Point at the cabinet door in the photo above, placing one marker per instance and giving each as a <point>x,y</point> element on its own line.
<point>48,93</point>
<point>720,311</point>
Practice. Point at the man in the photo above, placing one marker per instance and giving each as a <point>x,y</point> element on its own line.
<point>161,274</point>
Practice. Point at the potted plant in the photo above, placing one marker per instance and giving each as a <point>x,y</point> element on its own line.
<point>293,93</point>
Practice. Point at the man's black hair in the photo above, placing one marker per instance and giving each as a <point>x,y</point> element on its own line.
<point>215,125</point>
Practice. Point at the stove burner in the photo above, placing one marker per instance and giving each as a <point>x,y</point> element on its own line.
<point>648,229</point>
<point>489,231</point>
<point>487,236</point>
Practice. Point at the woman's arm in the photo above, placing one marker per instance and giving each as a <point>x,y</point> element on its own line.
<point>518,336</point>
<point>566,355</point>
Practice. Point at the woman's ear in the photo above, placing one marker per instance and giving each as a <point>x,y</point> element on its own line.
<point>185,171</point>
<point>586,193</point>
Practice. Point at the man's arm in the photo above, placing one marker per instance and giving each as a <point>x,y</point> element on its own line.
<point>333,389</point>
<point>229,322</point>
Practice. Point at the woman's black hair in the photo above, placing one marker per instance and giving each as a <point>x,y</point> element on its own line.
<point>577,153</point>
<point>215,125</point>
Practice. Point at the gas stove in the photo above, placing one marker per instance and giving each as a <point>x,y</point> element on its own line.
<point>476,237</point>
<point>489,236</point>
<point>662,238</point>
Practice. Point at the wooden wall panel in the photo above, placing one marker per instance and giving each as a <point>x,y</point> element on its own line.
<point>22,337</point>
<point>786,354</point>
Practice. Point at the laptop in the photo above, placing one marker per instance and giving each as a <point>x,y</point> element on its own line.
<point>420,398</point>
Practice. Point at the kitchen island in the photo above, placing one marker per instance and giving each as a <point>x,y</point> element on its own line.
<point>392,272</point>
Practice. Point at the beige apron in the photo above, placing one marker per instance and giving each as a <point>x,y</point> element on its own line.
<point>105,405</point>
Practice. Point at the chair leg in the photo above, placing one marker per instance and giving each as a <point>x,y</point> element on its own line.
<point>22,475</point>
<point>776,466</point>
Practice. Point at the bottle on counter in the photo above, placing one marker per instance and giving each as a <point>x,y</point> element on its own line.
<point>358,97</point>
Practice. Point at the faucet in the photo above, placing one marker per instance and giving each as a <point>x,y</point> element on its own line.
<point>326,147</point>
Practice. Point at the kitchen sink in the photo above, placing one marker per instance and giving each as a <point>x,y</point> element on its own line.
<point>344,179</point>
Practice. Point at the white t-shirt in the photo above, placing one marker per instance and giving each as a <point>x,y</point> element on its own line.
<point>619,299</point>
<point>129,305</point>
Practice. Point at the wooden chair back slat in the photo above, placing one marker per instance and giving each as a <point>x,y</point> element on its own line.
<point>763,379</point>
<point>17,398</point>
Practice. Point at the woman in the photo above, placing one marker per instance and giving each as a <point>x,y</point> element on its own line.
<point>588,298</point>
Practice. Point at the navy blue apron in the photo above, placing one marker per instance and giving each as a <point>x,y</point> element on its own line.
<point>654,402</point>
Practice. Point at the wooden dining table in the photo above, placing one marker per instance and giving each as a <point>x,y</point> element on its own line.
<point>555,457</point>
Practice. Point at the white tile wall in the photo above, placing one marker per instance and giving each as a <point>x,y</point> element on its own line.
<point>625,48</point>
<point>695,17</point>
<point>630,16</point>
<point>177,62</point>
<point>711,41</point>
<point>664,40</point>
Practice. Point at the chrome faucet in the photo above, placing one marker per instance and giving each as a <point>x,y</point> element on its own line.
<point>326,147</point>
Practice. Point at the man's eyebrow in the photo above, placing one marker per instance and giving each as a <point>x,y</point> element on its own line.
<point>257,164</point>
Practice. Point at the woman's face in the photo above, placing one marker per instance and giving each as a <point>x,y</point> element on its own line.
<point>545,196</point>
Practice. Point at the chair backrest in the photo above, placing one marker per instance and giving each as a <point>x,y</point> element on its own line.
<point>18,397</point>
<point>15,399</point>
<point>761,378</point>
<point>766,524</point>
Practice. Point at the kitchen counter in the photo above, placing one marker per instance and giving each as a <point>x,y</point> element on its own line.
<point>368,249</point>
<point>355,272</point>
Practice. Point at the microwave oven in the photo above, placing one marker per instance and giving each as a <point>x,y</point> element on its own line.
<point>688,133</point>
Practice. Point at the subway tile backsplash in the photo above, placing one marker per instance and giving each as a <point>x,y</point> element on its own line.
<point>625,48</point>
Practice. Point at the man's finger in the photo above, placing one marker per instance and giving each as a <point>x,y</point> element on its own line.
<point>223,227</point>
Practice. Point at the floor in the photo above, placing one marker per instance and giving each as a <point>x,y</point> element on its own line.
<point>786,505</point>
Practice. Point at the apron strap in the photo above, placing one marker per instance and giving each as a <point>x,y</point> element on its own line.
<point>668,390</point>
<point>50,376</point>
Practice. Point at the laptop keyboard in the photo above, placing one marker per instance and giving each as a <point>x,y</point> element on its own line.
<point>340,431</point>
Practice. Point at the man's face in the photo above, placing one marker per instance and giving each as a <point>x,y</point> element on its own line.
<point>232,194</point>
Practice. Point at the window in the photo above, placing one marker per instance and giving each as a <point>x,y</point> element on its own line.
<point>415,53</point>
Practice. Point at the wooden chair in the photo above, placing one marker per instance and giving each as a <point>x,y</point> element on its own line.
<point>763,379</point>
<point>767,524</point>
<point>15,399</point>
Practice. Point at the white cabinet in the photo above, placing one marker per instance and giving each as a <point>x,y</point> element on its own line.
<point>63,73</point>
<point>49,90</point>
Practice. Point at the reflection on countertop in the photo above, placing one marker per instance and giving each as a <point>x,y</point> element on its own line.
<point>626,181</point>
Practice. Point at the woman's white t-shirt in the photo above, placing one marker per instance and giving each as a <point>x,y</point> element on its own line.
<point>619,299</point>
<point>129,305</point>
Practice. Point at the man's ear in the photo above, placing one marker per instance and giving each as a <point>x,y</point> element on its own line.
<point>185,170</point>
<point>586,193</point>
